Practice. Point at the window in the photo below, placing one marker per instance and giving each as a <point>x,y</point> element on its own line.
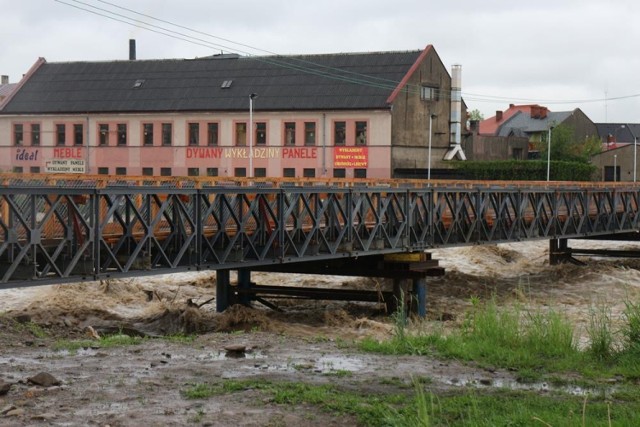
<point>309,173</point>
<point>60,134</point>
<point>339,133</point>
<point>429,93</point>
<point>261,133</point>
<point>193,172</point>
<point>361,133</point>
<point>17,169</point>
<point>35,134</point>
<point>339,173</point>
<point>310,133</point>
<point>241,134</point>
<point>18,134</point>
<point>212,134</point>
<point>103,134</point>
<point>147,171</point>
<point>194,133</point>
<point>240,172</point>
<point>165,171</point>
<point>122,134</point>
<point>167,133</point>
<point>147,133</point>
<point>260,172</point>
<point>78,134</point>
<point>289,172</point>
<point>212,171</point>
<point>103,171</point>
<point>121,171</point>
<point>290,133</point>
<point>359,173</point>
<point>34,169</point>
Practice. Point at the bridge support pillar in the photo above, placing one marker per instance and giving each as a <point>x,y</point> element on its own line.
<point>223,290</point>
<point>420,291</point>
<point>560,253</point>
<point>244,286</point>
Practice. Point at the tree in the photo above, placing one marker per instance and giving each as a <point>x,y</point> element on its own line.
<point>475,114</point>
<point>564,145</point>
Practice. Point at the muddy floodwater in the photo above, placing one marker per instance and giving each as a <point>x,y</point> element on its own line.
<point>305,341</point>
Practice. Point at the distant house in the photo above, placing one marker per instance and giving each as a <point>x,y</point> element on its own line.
<point>490,147</point>
<point>614,134</point>
<point>362,115</point>
<point>534,122</point>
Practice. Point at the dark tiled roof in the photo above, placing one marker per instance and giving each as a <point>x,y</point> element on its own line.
<point>623,132</point>
<point>525,124</point>
<point>314,82</point>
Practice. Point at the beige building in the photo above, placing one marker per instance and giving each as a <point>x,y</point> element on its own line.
<point>336,115</point>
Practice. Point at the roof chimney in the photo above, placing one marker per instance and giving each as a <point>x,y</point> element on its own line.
<point>132,49</point>
<point>4,80</point>
<point>498,115</point>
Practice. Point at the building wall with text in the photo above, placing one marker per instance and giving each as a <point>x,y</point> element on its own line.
<point>309,144</point>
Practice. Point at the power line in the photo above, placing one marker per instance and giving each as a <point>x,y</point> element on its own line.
<point>345,75</point>
<point>296,63</point>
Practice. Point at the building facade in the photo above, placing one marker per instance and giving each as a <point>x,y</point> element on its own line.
<point>362,115</point>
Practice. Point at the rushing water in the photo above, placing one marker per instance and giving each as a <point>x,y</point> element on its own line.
<point>509,272</point>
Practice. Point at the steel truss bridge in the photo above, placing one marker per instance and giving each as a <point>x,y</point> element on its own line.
<point>61,229</point>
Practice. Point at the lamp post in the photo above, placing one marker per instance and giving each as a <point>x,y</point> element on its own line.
<point>431,117</point>
<point>615,168</point>
<point>549,153</point>
<point>250,130</point>
<point>635,157</point>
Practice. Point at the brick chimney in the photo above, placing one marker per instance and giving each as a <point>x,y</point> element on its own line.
<point>132,49</point>
<point>4,80</point>
<point>498,115</point>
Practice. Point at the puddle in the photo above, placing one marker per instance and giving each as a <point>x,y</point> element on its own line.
<point>226,355</point>
<point>571,389</point>
<point>327,364</point>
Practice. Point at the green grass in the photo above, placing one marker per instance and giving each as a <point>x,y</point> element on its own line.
<point>117,340</point>
<point>532,342</point>
<point>423,408</point>
<point>107,341</point>
<point>31,327</point>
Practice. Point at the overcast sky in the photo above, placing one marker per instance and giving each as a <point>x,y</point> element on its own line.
<point>531,51</point>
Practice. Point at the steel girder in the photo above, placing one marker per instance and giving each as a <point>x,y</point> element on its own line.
<point>50,235</point>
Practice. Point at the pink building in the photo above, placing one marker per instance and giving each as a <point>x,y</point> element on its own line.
<point>336,115</point>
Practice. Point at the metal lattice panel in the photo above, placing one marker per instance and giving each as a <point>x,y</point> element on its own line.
<point>51,232</point>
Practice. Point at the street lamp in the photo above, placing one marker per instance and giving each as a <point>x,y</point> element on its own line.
<point>431,117</point>
<point>251,98</point>
<point>635,157</point>
<point>549,153</point>
<point>615,167</point>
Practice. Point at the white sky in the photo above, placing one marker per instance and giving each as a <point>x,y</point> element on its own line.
<point>520,51</point>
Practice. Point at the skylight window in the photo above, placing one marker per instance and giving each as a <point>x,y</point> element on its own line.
<point>226,84</point>
<point>138,84</point>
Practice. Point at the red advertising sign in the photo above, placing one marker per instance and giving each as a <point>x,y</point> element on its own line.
<point>350,157</point>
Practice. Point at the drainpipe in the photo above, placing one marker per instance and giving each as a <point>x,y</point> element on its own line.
<point>88,169</point>
<point>324,144</point>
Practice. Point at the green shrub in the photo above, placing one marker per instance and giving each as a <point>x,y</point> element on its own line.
<point>525,170</point>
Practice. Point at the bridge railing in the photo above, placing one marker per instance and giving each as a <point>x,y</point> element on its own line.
<point>58,233</point>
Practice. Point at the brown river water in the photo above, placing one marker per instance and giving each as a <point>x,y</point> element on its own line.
<point>509,273</point>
